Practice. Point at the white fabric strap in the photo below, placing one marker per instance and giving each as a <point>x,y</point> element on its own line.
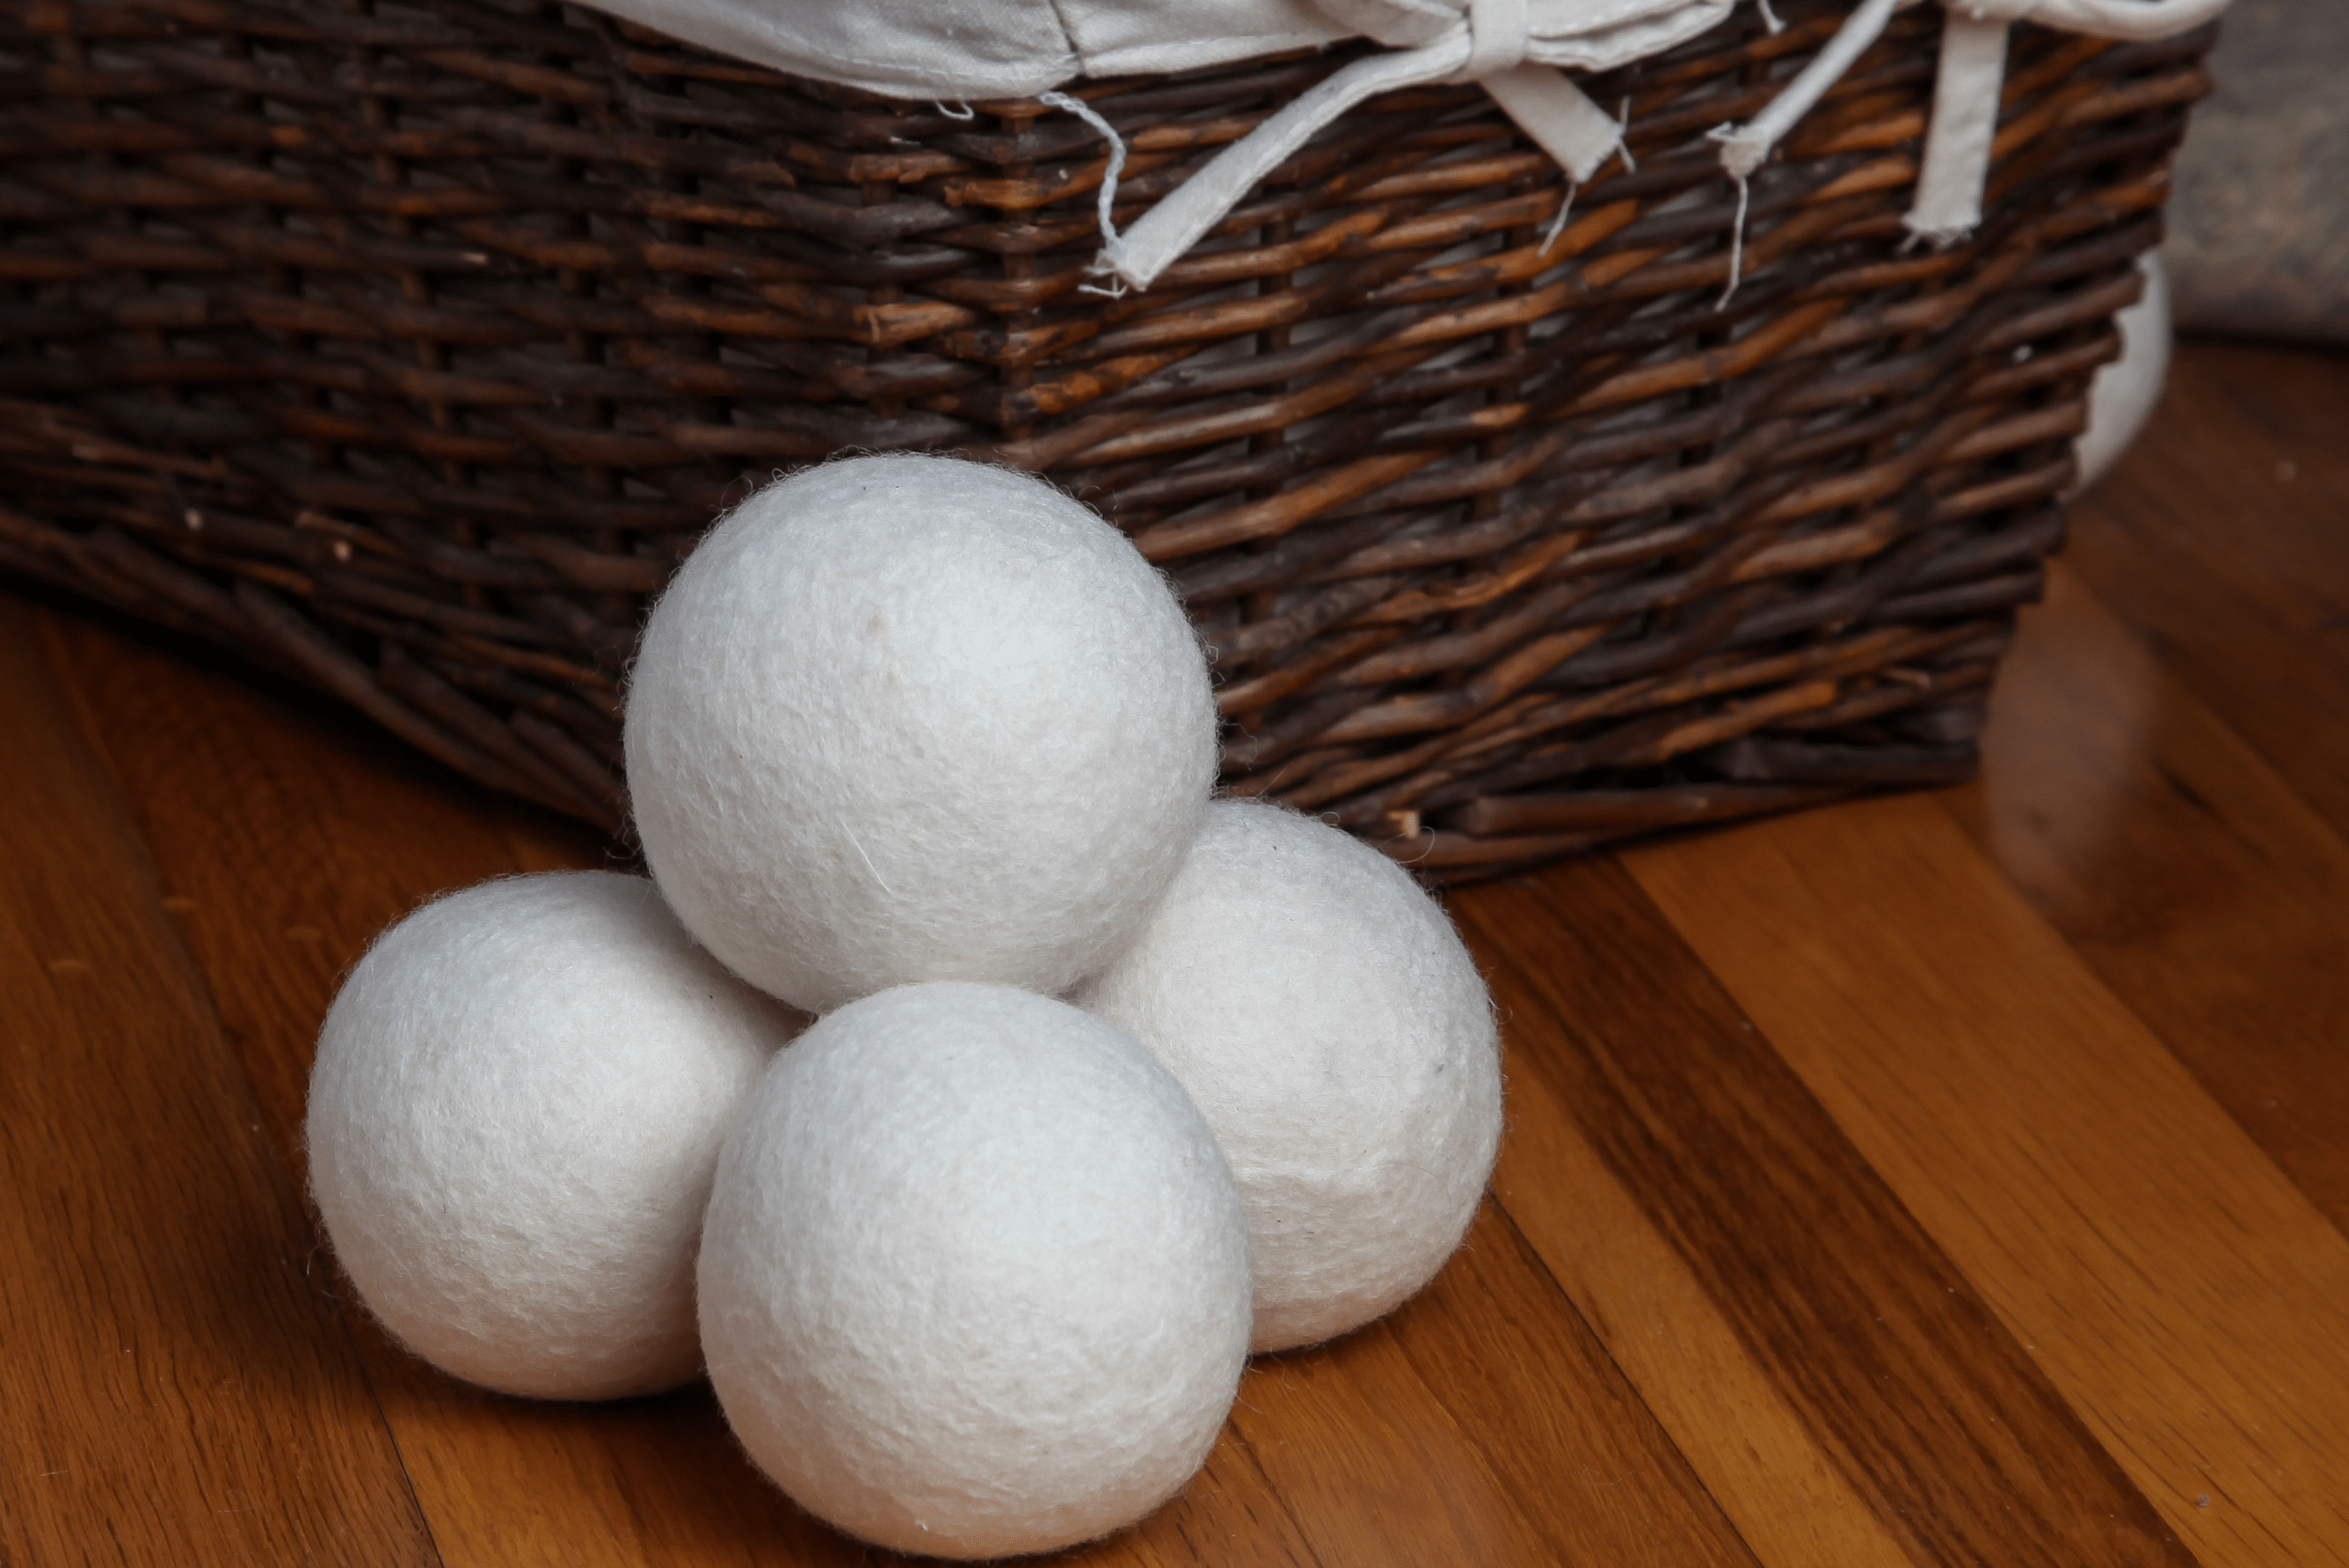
<point>2138,20</point>
<point>1956,167</point>
<point>1744,147</point>
<point>962,52</point>
<point>1499,31</point>
<point>1487,42</point>
<point>1948,204</point>
<point>1501,43</point>
<point>1105,199</point>
<point>1559,118</point>
<point>1179,221</point>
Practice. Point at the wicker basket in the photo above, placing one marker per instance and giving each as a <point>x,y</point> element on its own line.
<point>408,348</point>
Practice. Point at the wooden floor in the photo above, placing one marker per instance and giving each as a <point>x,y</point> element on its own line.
<point>1947,1179</point>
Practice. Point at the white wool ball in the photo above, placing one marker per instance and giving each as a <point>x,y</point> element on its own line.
<point>2121,398</point>
<point>975,1276</point>
<point>515,1115</point>
<point>1323,1014</point>
<point>907,718</point>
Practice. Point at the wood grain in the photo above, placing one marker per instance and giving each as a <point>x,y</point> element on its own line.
<point>2188,1300</point>
<point>1481,1423</point>
<point>2224,542</point>
<point>2203,892</point>
<point>661,1482</point>
<point>1940,1181</point>
<point>1741,1433</point>
<point>222,779</point>
<point>1886,1365</point>
<point>175,1389</point>
<point>226,780</point>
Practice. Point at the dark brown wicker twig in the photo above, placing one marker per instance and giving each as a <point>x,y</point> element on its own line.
<point>408,348</point>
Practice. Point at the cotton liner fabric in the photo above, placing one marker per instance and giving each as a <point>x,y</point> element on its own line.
<point>974,1277</point>
<point>514,1119</point>
<point>1000,49</point>
<point>1320,1009</point>
<point>965,49</point>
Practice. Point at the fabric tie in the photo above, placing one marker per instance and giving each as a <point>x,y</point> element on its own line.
<point>1964,131</point>
<point>1497,43</point>
<point>1499,32</point>
<point>1513,47</point>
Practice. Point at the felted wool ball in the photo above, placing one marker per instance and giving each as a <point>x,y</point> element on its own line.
<point>2121,398</point>
<point>1324,1015</point>
<point>514,1116</point>
<point>975,1276</point>
<point>907,718</point>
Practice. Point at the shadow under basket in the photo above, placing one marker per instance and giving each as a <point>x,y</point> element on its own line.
<point>408,348</point>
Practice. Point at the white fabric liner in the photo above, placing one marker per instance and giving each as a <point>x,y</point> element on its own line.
<point>952,50</point>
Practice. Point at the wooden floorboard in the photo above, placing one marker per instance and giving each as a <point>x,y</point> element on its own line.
<point>1640,1295</point>
<point>175,1387</point>
<point>2201,887</point>
<point>1483,1423</point>
<point>2220,541</point>
<point>2188,1299</point>
<point>225,781</point>
<point>385,833</point>
<point>1945,1180</point>
<point>1895,1369</point>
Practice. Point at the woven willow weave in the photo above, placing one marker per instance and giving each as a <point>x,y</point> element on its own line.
<point>408,348</point>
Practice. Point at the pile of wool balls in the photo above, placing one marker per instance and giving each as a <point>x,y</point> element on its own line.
<point>1110,1082</point>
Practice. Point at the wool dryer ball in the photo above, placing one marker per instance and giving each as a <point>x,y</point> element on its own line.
<point>514,1120</point>
<point>975,1276</point>
<point>1323,1014</point>
<point>2122,397</point>
<point>905,718</point>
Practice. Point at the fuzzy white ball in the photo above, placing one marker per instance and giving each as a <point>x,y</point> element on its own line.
<point>2122,397</point>
<point>514,1120</point>
<point>909,719</point>
<point>1324,1015</point>
<point>974,1277</point>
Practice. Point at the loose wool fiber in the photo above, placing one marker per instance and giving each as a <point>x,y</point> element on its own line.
<point>1323,1014</point>
<point>907,718</point>
<point>514,1116</point>
<point>974,1277</point>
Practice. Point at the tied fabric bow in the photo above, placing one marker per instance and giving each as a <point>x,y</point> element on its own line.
<point>1514,48</point>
